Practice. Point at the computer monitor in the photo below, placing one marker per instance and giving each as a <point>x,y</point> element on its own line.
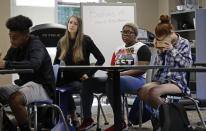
<point>142,34</point>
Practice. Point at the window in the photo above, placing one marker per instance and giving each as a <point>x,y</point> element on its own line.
<point>66,11</point>
<point>67,8</point>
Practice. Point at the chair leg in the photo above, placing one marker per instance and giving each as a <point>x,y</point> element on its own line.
<point>81,110</point>
<point>104,116</point>
<point>198,110</point>
<point>99,107</point>
<point>29,111</point>
<point>61,113</point>
<point>98,111</point>
<point>127,111</point>
<point>140,113</point>
<point>35,118</point>
<point>98,115</point>
<point>1,116</point>
<point>125,102</point>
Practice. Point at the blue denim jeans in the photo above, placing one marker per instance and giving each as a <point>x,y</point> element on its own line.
<point>105,85</point>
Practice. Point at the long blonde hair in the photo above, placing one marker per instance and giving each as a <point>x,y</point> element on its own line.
<point>78,46</point>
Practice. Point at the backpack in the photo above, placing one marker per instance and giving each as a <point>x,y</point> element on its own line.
<point>45,117</point>
<point>173,117</point>
<point>134,112</point>
<point>6,123</point>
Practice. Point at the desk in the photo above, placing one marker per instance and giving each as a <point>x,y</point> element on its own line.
<point>189,69</point>
<point>116,81</point>
<point>11,71</point>
<point>199,64</point>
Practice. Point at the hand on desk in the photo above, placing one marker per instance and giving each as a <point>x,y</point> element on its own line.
<point>84,77</point>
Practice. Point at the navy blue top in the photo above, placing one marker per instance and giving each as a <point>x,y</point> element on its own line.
<point>35,56</point>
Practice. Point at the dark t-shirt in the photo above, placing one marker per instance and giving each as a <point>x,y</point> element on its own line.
<point>144,53</point>
<point>88,48</point>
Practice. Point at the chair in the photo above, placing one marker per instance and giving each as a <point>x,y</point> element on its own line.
<point>180,96</point>
<point>98,97</point>
<point>62,94</point>
<point>43,103</point>
<point>177,97</point>
<point>149,75</point>
<point>48,103</point>
<point>50,34</point>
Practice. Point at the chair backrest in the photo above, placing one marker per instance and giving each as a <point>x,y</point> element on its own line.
<point>55,69</point>
<point>188,83</point>
<point>150,73</point>
<point>49,33</point>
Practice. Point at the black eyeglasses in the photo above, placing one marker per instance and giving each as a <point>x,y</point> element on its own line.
<point>126,32</point>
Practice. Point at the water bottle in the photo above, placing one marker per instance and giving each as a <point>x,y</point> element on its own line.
<point>62,63</point>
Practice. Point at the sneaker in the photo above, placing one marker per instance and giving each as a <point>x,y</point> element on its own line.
<point>124,127</point>
<point>86,124</point>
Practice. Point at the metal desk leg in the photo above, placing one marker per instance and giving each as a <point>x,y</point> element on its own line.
<point>117,101</point>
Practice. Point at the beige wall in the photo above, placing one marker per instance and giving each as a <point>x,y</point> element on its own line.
<point>4,39</point>
<point>163,7</point>
<point>147,12</point>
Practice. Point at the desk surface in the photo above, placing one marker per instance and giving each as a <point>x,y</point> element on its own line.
<point>200,64</point>
<point>189,69</point>
<point>122,67</point>
<point>11,71</point>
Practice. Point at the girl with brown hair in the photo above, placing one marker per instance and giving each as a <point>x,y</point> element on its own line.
<point>74,48</point>
<point>173,50</point>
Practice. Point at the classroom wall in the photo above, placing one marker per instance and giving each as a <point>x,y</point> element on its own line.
<point>147,12</point>
<point>4,39</point>
<point>38,15</point>
<point>163,7</point>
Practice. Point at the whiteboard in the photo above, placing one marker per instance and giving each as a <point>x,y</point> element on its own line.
<point>103,23</point>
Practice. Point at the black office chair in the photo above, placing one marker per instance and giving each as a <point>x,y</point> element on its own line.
<point>49,34</point>
<point>186,95</point>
